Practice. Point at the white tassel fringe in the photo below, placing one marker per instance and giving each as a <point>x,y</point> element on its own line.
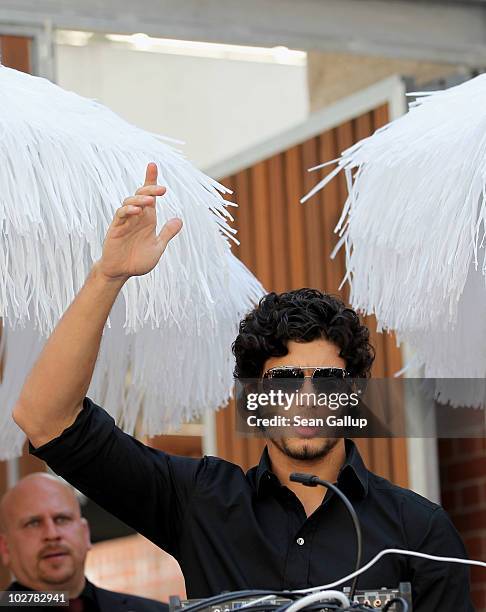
<point>414,227</point>
<point>66,164</point>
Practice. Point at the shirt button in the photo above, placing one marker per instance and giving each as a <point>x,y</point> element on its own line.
<point>300,541</point>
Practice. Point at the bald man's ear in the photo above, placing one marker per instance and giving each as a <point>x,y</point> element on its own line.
<point>4,551</point>
<point>89,546</point>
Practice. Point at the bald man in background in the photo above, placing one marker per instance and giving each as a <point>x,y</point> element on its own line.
<point>44,541</point>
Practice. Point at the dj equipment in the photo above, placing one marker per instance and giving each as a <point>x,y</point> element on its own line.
<point>372,599</point>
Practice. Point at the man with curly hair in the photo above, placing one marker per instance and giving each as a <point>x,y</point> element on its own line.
<point>303,328</point>
<point>230,530</point>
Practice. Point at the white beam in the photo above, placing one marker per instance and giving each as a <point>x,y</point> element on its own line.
<point>436,31</point>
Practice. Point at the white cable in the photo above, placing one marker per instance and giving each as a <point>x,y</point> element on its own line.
<point>257,601</point>
<point>389,551</point>
<point>321,596</point>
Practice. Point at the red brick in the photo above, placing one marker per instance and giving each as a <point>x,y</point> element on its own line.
<point>446,448</point>
<point>477,575</point>
<point>450,499</point>
<point>479,599</point>
<point>467,469</point>
<point>470,495</point>
<point>471,446</point>
<point>470,521</point>
<point>475,547</point>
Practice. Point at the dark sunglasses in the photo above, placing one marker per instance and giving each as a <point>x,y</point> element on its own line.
<point>299,372</point>
<point>296,375</point>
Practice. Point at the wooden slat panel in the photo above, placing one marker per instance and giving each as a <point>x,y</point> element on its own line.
<point>255,448</point>
<point>188,446</point>
<point>327,202</point>
<point>294,190</point>
<point>398,446</point>
<point>380,116</point>
<point>262,226</point>
<point>344,139</point>
<point>16,52</point>
<point>245,215</point>
<point>279,221</point>
<point>314,254</point>
<point>28,464</point>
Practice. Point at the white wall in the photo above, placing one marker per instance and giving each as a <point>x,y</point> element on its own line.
<point>217,106</point>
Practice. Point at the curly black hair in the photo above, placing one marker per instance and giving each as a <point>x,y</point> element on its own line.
<point>301,315</point>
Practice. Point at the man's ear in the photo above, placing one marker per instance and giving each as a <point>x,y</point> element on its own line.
<point>87,533</point>
<point>4,551</point>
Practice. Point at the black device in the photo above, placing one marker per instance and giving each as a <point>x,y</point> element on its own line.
<point>372,599</point>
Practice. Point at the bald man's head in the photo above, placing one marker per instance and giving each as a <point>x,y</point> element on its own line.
<point>44,540</point>
<point>28,486</point>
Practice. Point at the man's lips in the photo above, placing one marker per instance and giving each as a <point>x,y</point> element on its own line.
<point>54,554</point>
<point>306,431</point>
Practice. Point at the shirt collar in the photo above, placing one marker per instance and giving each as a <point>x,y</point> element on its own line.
<point>264,474</point>
<point>354,471</point>
<point>353,476</point>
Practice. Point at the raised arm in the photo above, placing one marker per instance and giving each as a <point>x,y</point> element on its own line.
<point>131,248</point>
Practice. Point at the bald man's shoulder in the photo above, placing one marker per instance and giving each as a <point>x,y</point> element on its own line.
<point>111,600</point>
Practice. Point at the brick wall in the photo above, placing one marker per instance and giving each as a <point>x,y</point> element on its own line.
<point>135,565</point>
<point>463,484</point>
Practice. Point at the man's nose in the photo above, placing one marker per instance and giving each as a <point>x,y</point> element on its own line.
<point>51,530</point>
<point>307,388</point>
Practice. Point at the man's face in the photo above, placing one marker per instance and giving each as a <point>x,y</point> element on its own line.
<point>45,539</point>
<point>304,445</point>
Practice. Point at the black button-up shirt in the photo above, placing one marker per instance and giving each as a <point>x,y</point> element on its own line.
<point>230,530</point>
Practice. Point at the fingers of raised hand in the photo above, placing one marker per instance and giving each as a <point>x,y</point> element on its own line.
<point>169,230</point>
<point>139,200</point>
<point>151,174</point>
<point>151,190</point>
<point>133,206</point>
<point>125,212</point>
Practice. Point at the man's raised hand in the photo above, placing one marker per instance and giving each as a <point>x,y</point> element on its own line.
<point>131,246</point>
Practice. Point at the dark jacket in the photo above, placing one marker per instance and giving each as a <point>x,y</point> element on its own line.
<point>109,600</point>
<point>101,600</point>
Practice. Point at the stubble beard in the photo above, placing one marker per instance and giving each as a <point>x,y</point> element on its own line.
<point>306,452</point>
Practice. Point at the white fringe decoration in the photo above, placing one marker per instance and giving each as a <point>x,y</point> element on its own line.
<point>414,225</point>
<point>66,164</point>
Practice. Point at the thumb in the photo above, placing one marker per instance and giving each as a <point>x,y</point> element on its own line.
<point>169,230</point>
